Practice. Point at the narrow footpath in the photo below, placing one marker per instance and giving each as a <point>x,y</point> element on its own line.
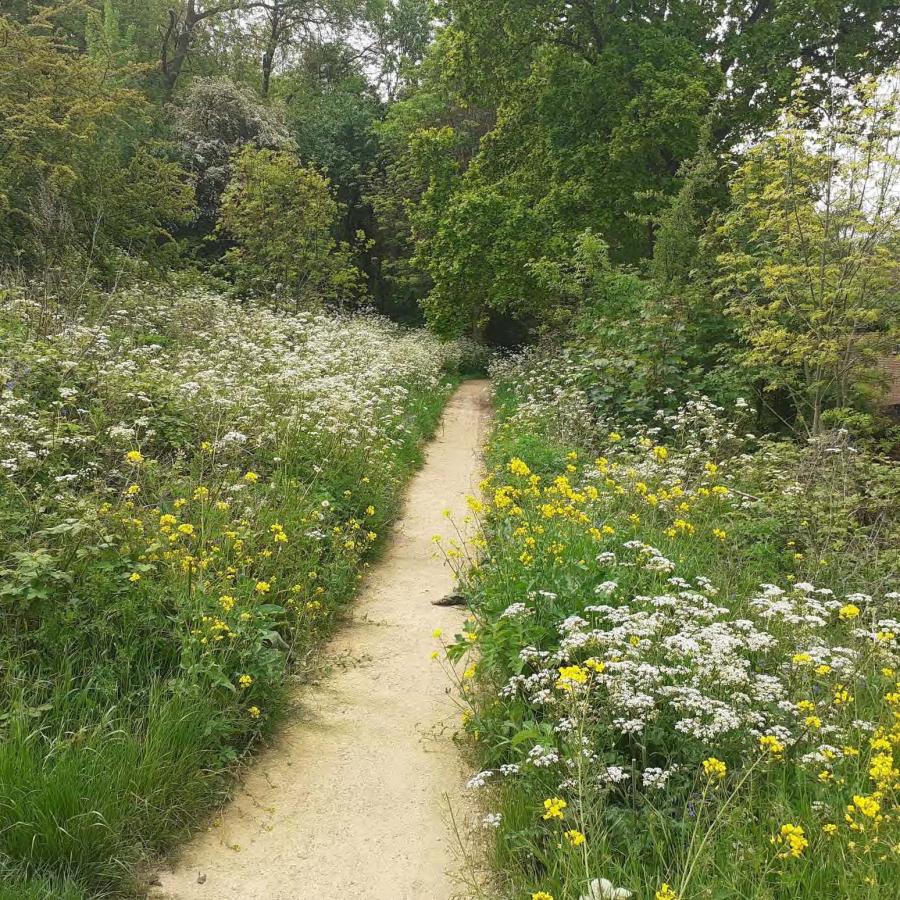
<point>353,801</point>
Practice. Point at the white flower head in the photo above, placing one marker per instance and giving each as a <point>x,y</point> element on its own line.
<point>604,889</point>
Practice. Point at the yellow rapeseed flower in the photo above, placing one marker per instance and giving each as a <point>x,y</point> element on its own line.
<point>868,806</point>
<point>570,676</point>
<point>518,467</point>
<point>770,744</point>
<point>553,808</point>
<point>714,768</point>
<point>792,838</point>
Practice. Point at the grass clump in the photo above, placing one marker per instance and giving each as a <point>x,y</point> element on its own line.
<point>682,660</point>
<point>191,490</point>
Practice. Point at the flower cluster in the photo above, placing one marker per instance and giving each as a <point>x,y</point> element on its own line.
<point>642,658</point>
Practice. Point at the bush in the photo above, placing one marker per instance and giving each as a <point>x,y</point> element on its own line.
<point>79,184</point>
<point>282,216</point>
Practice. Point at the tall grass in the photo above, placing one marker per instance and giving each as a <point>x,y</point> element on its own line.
<point>191,493</point>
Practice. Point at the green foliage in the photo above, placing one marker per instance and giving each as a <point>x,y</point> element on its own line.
<point>282,217</point>
<point>214,119</point>
<point>810,261</point>
<point>187,499</point>
<point>633,588</point>
<point>569,117</point>
<point>77,185</point>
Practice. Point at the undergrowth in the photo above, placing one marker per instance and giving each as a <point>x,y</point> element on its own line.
<point>681,659</point>
<point>190,491</point>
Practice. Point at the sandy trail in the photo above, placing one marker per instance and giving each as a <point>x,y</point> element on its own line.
<point>352,801</point>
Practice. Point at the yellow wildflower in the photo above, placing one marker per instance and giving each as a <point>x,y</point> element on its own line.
<point>792,838</point>
<point>519,467</point>
<point>868,806</point>
<point>553,808</point>
<point>714,768</point>
<point>570,676</point>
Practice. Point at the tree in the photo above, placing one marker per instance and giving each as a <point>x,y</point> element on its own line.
<point>281,217</point>
<point>402,31</point>
<point>596,105</point>
<point>810,263</point>
<point>213,119</point>
<point>76,178</point>
<point>284,24</point>
<point>757,46</point>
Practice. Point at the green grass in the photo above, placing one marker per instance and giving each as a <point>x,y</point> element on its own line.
<point>151,613</point>
<point>126,752</point>
<point>546,552</point>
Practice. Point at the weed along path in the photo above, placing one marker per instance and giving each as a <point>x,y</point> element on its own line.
<point>352,801</point>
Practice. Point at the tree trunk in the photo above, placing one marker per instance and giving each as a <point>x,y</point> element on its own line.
<point>178,36</point>
<point>272,40</point>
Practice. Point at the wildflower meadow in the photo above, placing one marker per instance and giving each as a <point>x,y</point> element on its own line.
<point>191,490</point>
<point>270,271</point>
<point>681,675</point>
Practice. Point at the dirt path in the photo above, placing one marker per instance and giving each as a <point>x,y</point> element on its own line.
<point>352,803</point>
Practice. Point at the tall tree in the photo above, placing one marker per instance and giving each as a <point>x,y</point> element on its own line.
<point>180,33</point>
<point>285,24</point>
<point>810,264</point>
